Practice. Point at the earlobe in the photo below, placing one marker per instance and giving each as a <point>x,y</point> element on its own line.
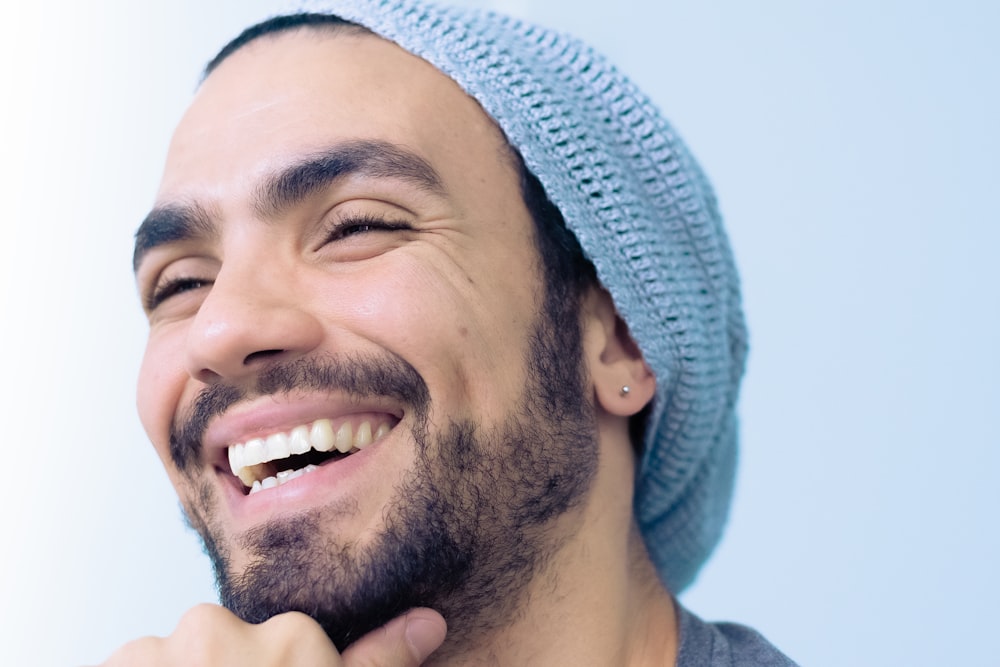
<point>623,382</point>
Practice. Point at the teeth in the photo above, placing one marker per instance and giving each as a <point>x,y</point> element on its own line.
<point>344,440</point>
<point>247,460</point>
<point>254,452</point>
<point>298,440</point>
<point>321,435</point>
<point>277,447</point>
<point>247,475</point>
<point>280,478</point>
<point>363,437</point>
<point>236,458</point>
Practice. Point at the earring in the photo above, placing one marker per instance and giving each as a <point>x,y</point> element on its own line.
<point>625,391</point>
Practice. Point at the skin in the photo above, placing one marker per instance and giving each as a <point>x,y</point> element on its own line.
<point>454,292</point>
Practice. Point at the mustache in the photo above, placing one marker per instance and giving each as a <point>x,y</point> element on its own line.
<point>359,376</point>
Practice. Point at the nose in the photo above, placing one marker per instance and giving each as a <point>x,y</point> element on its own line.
<point>247,321</point>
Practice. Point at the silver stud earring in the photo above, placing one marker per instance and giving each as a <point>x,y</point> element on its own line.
<point>625,390</point>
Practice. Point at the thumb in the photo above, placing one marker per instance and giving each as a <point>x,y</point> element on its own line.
<point>405,641</point>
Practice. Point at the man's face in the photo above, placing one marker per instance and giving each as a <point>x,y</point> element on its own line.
<point>340,256</point>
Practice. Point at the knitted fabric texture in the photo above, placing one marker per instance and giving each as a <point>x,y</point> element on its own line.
<point>645,216</point>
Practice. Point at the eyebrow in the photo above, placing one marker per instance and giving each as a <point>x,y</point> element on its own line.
<point>171,223</point>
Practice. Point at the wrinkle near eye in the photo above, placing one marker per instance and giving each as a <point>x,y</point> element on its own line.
<point>163,279</point>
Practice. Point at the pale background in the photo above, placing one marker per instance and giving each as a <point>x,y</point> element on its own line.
<point>855,151</point>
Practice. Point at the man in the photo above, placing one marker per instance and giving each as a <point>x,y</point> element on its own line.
<point>444,349</point>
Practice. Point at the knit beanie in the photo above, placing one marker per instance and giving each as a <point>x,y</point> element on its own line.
<point>645,216</point>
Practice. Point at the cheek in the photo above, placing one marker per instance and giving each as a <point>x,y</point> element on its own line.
<point>160,384</point>
<point>465,334</point>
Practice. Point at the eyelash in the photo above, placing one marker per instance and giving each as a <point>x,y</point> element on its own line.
<point>350,225</point>
<point>339,229</point>
<point>169,288</point>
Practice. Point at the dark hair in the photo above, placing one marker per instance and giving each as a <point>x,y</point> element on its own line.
<point>281,24</point>
<point>568,272</point>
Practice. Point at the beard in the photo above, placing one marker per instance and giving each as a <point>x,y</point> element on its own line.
<point>467,530</point>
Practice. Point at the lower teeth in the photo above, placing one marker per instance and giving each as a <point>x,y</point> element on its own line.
<point>280,478</point>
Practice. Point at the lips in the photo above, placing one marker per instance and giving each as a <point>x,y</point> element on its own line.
<point>264,463</point>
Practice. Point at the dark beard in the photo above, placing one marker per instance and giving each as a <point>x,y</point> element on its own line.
<point>467,530</point>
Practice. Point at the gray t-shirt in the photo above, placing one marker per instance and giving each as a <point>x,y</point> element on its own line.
<point>724,645</point>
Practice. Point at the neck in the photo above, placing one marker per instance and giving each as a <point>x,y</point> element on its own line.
<point>620,616</point>
<point>598,601</point>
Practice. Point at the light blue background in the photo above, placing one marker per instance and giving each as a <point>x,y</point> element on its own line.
<point>855,152</point>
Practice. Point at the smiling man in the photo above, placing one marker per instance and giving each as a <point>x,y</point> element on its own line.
<point>444,349</point>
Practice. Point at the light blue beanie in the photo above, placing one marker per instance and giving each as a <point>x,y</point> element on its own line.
<point>645,216</point>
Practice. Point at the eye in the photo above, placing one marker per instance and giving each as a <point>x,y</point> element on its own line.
<point>355,225</point>
<point>166,289</point>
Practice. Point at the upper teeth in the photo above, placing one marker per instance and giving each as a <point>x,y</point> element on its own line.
<point>246,459</point>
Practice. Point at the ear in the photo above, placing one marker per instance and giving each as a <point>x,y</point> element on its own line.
<point>623,383</point>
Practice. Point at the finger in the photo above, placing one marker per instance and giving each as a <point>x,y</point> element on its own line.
<point>405,641</point>
<point>208,634</point>
<point>293,638</point>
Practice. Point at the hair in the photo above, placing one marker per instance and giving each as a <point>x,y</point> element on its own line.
<point>280,24</point>
<point>567,270</point>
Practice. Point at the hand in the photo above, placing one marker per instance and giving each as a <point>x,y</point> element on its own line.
<point>211,636</point>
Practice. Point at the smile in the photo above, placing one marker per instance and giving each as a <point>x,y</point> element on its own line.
<point>264,463</point>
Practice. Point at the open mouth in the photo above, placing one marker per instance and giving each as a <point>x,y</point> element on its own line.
<point>264,463</point>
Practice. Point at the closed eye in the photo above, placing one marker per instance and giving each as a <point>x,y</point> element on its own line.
<point>172,287</point>
<point>363,224</point>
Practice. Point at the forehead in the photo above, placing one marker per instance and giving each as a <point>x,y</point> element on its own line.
<point>294,92</point>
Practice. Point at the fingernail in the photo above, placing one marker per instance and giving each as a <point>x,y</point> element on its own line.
<point>424,635</point>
